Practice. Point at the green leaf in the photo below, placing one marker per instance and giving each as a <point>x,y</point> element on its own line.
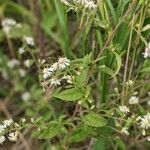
<point>81,79</point>
<point>99,144</point>
<point>146,69</point>
<point>69,94</point>
<point>81,133</point>
<point>50,132</point>
<point>118,59</point>
<point>19,32</point>
<point>121,144</point>
<point>94,120</point>
<point>106,69</point>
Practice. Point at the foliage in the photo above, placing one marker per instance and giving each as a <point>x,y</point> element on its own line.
<point>75,74</point>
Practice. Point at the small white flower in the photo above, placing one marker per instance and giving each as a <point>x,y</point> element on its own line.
<point>21,50</point>
<point>138,118</point>
<point>23,120</point>
<point>13,136</point>
<point>13,63</point>
<point>147,51</point>
<point>29,40</point>
<point>116,90</point>
<point>134,100</point>
<point>63,62</point>
<point>125,131</point>
<point>124,109</point>
<point>7,24</point>
<point>68,78</point>
<point>130,82</point>
<point>7,123</point>
<point>91,5</point>
<point>27,63</point>
<point>2,128</point>
<point>55,66</point>
<point>25,96</point>
<point>47,72</point>
<point>22,72</point>
<point>54,82</point>
<point>2,139</point>
<point>65,2</point>
<point>78,73</point>
<point>86,3</point>
<point>145,121</point>
<point>148,102</point>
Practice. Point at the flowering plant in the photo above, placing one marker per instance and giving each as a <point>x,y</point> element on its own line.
<point>75,74</point>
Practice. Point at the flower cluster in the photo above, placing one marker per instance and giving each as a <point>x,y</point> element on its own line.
<point>130,82</point>
<point>86,3</point>
<point>9,126</point>
<point>50,73</point>
<point>28,40</point>
<point>147,51</point>
<point>124,109</point>
<point>145,121</point>
<point>8,24</point>
<point>134,100</point>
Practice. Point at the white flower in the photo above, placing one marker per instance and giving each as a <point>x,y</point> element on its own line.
<point>90,5</point>
<point>65,2</point>
<point>27,63</point>
<point>145,121</point>
<point>124,109</point>
<point>63,62</point>
<point>13,63</point>
<point>25,96</point>
<point>23,120</point>
<point>147,51</point>
<point>68,78</point>
<point>29,40</point>
<point>86,3</point>
<point>130,82</point>
<point>2,139</point>
<point>55,66</point>
<point>22,72</point>
<point>7,24</point>
<point>138,118</point>
<point>47,72</point>
<point>125,131</point>
<point>21,50</point>
<point>54,82</point>
<point>2,128</point>
<point>7,123</point>
<point>134,100</point>
<point>13,136</point>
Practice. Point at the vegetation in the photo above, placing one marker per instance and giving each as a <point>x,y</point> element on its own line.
<point>75,74</point>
